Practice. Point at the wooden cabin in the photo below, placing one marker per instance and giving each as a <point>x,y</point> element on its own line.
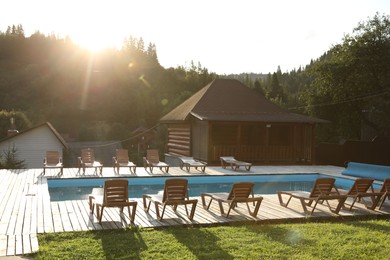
<point>226,118</point>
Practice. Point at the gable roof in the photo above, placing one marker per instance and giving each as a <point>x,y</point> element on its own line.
<point>230,100</point>
<point>47,124</point>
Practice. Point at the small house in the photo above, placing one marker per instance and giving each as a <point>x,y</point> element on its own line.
<point>31,145</point>
<point>226,118</point>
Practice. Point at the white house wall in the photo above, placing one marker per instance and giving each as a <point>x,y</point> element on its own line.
<point>31,146</point>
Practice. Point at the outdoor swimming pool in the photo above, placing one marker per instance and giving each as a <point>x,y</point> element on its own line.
<point>79,189</point>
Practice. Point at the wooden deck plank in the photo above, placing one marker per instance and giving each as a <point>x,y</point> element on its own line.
<point>3,245</point>
<point>11,241</point>
<point>48,223</point>
<point>19,216</point>
<point>66,222</point>
<point>57,220</point>
<point>111,216</point>
<point>85,222</point>
<point>29,226</point>
<point>74,221</point>
<point>34,243</point>
<point>141,218</point>
<point>80,217</point>
<point>18,244</point>
<point>33,214</point>
<point>89,218</point>
<point>7,180</point>
<point>26,243</point>
<point>7,204</point>
<point>24,216</point>
<point>40,222</point>
<point>17,206</point>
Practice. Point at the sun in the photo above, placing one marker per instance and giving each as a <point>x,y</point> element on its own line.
<point>94,43</point>
<point>96,35</point>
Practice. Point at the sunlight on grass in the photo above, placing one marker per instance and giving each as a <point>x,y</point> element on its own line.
<point>349,240</point>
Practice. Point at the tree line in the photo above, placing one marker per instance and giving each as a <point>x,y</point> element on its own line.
<point>106,95</point>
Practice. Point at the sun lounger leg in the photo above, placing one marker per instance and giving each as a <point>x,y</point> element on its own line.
<point>134,212</point>
<point>191,216</point>
<point>257,207</point>
<point>160,217</point>
<point>281,200</point>
<point>382,201</point>
<point>353,203</point>
<point>303,203</point>
<point>131,217</point>
<point>221,208</point>
<point>203,196</point>
<point>91,204</point>
<point>100,213</point>
<point>375,201</point>
<point>339,205</point>
<point>146,205</point>
<point>231,206</point>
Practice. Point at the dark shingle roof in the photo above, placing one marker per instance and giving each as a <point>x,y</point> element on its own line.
<point>230,100</point>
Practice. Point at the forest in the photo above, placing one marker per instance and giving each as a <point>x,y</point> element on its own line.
<point>106,95</point>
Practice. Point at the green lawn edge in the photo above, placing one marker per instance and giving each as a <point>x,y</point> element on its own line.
<point>358,239</point>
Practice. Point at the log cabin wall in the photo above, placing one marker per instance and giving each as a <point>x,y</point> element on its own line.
<point>179,139</point>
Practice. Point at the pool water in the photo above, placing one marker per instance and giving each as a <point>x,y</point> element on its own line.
<point>79,189</point>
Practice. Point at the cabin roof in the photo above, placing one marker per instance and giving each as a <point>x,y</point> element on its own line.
<point>46,124</point>
<point>230,100</point>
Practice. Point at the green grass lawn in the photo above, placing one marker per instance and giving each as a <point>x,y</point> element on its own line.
<point>366,239</point>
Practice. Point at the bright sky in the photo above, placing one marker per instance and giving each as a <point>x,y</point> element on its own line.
<point>225,36</point>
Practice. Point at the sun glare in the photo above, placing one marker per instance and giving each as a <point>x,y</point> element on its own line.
<point>94,43</point>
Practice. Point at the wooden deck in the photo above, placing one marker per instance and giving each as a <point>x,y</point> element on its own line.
<point>26,209</point>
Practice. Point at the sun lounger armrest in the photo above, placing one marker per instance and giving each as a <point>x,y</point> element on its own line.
<point>79,161</point>
<point>146,162</point>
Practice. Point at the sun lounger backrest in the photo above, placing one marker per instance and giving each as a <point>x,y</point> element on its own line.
<point>115,191</point>
<point>175,189</point>
<point>241,190</point>
<point>122,156</point>
<point>386,185</point>
<point>87,155</point>
<point>322,186</point>
<point>52,157</point>
<point>152,156</point>
<point>361,186</point>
